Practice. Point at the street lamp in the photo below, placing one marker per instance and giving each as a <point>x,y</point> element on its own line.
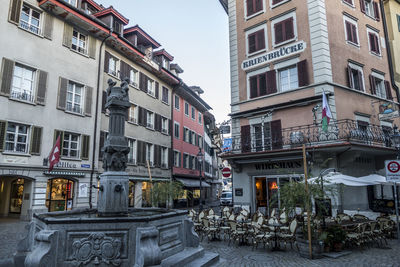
<point>200,157</point>
<point>396,141</point>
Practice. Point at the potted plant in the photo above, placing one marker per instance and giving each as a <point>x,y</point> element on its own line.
<point>335,237</point>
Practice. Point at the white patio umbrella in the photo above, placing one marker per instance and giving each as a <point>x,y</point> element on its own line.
<point>339,178</point>
<point>373,179</point>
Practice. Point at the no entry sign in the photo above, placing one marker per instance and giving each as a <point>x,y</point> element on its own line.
<point>226,172</point>
<point>392,170</point>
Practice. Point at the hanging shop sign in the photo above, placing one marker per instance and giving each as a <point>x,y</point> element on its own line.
<point>273,55</point>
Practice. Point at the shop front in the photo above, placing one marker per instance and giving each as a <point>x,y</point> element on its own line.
<point>60,194</point>
<point>191,192</point>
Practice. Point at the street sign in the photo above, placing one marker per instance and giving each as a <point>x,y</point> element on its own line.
<point>392,170</point>
<point>226,172</point>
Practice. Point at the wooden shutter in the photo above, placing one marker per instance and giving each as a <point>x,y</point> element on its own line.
<point>190,137</point>
<point>155,159</point>
<point>62,94</point>
<point>139,156</point>
<point>157,120</point>
<point>169,127</point>
<point>262,84</point>
<point>253,86</point>
<point>123,70</point>
<point>348,77</point>
<point>360,80</point>
<point>278,28</point>
<point>302,72</point>
<point>376,11</point>
<point>250,7</point>
<point>102,140</point>
<point>41,87</point>
<point>276,134</point>
<point>260,39</point>
<point>36,139</point>
<point>3,128</point>
<point>103,101</point>
<point>258,5</point>
<point>271,82</point>
<point>140,115</point>
<point>88,101</point>
<point>245,138</point>
<point>106,61</point>
<point>159,156</point>
<point>157,90</point>
<point>348,31</point>
<point>388,91</point>
<point>289,28</point>
<point>85,147</point>
<point>372,84</point>
<point>376,43</point>
<point>143,82</point>
<point>7,72</point>
<point>61,134</point>
<point>92,47</point>
<point>362,6</point>
<point>15,11</point>
<point>354,34</point>
<point>251,42</point>
<point>48,26</point>
<point>67,38</point>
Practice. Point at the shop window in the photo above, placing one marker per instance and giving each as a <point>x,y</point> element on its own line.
<point>146,194</point>
<point>16,196</point>
<point>59,194</point>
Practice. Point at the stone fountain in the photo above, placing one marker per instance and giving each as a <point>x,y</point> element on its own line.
<point>112,234</point>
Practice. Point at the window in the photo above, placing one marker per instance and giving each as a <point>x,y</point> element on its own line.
<point>355,77</point>
<point>134,77</point>
<point>23,83</point>
<point>186,109</point>
<point>256,41</point>
<point>133,113</point>
<point>164,125</point>
<point>351,31</point>
<point>176,102</point>
<point>254,7</point>
<point>149,154</point>
<point>176,130</point>
<point>193,113</point>
<point>150,87</point>
<point>30,19</point>
<point>200,118</point>
<point>132,151</point>
<point>71,145</point>
<point>350,2</point>
<point>79,42</point>
<point>193,138</point>
<point>186,134</point>
<point>284,29</point>
<point>200,141</point>
<point>112,66</point>
<point>398,22</point>
<point>17,138</point>
<point>164,157</point>
<point>373,41</point>
<point>277,2</point>
<point>288,78</point>
<point>165,93</point>
<point>192,162</point>
<point>258,85</point>
<point>370,8</point>
<point>262,136</point>
<point>74,97</point>
<point>150,120</point>
<point>185,160</point>
<point>177,158</point>
<point>379,86</point>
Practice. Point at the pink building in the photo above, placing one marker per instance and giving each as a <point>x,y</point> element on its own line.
<point>188,138</point>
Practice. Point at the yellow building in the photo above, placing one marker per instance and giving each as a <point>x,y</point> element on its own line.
<point>392,12</point>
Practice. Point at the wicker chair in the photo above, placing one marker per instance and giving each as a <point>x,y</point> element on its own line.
<point>291,236</point>
<point>236,234</point>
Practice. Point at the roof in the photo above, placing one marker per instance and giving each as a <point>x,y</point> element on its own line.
<point>195,95</point>
<point>94,4</point>
<point>111,10</point>
<point>164,53</point>
<point>224,4</point>
<point>139,30</point>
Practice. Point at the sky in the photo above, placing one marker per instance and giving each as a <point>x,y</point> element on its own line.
<point>196,33</point>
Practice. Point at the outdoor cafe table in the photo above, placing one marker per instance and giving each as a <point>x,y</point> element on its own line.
<point>215,221</point>
<point>276,226</point>
<point>242,224</point>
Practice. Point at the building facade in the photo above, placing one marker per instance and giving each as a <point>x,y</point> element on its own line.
<point>284,56</point>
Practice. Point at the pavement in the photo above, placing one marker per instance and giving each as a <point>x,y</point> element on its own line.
<point>12,230</point>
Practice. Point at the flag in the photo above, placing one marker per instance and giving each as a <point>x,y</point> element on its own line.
<point>54,156</point>
<point>326,113</point>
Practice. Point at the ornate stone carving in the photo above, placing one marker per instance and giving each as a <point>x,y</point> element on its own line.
<point>45,252</point>
<point>148,252</point>
<point>97,248</point>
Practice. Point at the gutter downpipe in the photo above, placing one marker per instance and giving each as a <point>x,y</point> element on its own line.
<point>388,50</point>
<point>95,119</point>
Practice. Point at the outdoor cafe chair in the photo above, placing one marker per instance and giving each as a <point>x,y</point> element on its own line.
<point>259,235</point>
<point>236,233</point>
<point>360,217</point>
<point>210,229</point>
<point>291,236</point>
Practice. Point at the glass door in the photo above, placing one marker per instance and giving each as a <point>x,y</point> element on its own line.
<point>16,196</point>
<point>60,194</point>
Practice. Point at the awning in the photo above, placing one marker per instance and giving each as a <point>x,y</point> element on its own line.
<point>192,183</point>
<point>338,178</point>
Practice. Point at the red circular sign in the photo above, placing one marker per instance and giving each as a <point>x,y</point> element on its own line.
<point>393,167</point>
<point>226,172</point>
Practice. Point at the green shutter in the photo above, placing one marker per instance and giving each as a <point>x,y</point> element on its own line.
<point>88,101</point>
<point>3,128</point>
<point>67,38</point>
<point>92,47</point>
<point>56,134</point>
<point>15,11</point>
<point>41,87</point>
<point>62,94</point>
<point>36,139</point>
<point>85,147</point>
<point>48,26</point>
<point>7,71</point>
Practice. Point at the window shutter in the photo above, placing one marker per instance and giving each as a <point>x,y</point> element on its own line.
<point>92,47</point>
<point>302,72</point>
<point>156,152</point>
<point>144,117</point>
<point>250,7</point>
<point>102,140</point>
<point>388,91</point>
<point>276,134</point>
<point>157,120</point>
<point>362,6</point>
<point>140,158</point>
<point>3,127</point>
<point>140,115</point>
<point>376,11</point>
<point>372,42</point>
<point>245,138</point>
<point>253,86</point>
<point>157,89</point>
<point>7,72</point>
<point>169,127</point>
<point>289,31</point>
<point>143,82</point>
<point>348,76</point>
<point>103,101</point>
<point>271,82</point>
<point>61,134</point>
<point>88,101</point>
<point>376,39</point>
<point>354,33</point>
<point>123,70</point>
<point>67,38</point>
<point>36,139</point>
<point>62,94</point>
<point>106,61</point>
<point>85,147</point>
<point>252,43</point>
<point>41,87</point>
<point>190,137</point>
<point>15,11</point>
<point>259,5</point>
<point>278,27</point>
<point>260,39</point>
<point>372,83</point>
<point>348,31</point>
<point>48,26</point>
<point>262,84</point>
<point>360,80</point>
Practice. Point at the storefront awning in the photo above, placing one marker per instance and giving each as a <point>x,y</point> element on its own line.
<point>192,183</point>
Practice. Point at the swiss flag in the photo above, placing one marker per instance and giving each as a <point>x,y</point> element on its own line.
<point>54,157</point>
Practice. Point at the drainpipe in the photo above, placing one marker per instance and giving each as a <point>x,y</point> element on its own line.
<point>95,119</point>
<point>388,51</point>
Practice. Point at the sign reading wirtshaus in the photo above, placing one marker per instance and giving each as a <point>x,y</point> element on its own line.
<point>279,53</point>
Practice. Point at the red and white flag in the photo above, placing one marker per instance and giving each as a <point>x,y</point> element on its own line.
<point>54,157</point>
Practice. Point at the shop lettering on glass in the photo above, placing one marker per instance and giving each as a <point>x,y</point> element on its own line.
<point>278,165</point>
<point>279,53</point>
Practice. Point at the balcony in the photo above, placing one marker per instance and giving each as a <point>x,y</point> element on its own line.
<point>312,135</point>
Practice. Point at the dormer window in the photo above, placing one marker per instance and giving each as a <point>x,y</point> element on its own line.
<point>164,63</point>
<point>117,26</point>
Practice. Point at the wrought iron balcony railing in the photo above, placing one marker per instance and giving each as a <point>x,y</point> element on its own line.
<point>312,135</point>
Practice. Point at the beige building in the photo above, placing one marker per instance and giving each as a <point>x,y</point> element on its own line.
<point>284,55</point>
<point>392,13</point>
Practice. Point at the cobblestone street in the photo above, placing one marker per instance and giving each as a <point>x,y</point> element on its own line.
<point>12,230</point>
